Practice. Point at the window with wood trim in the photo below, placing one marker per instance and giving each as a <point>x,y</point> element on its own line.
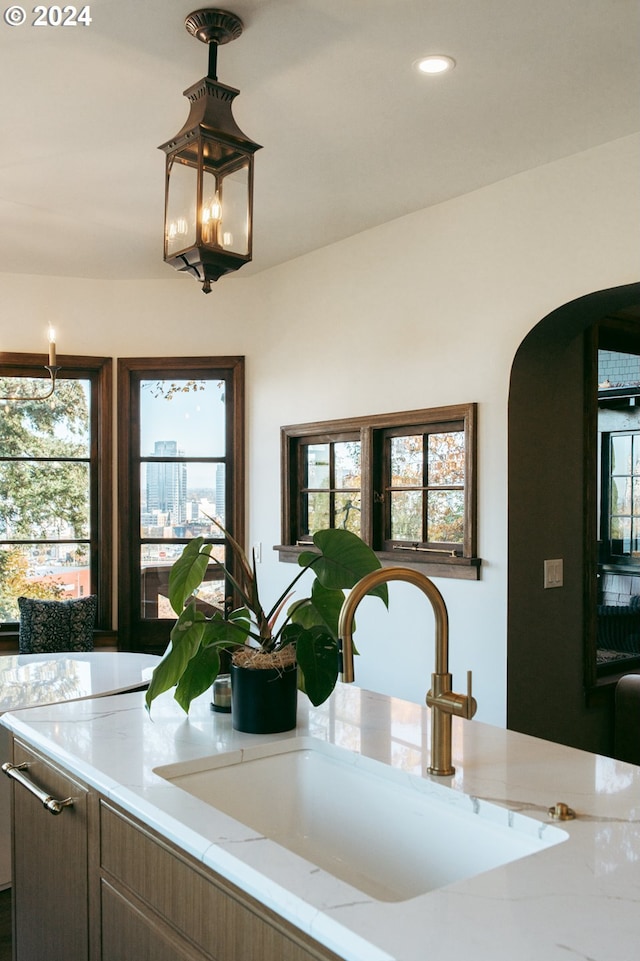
<point>405,482</point>
<point>55,476</point>
<point>423,487</point>
<point>329,482</point>
<point>621,497</point>
<point>615,639</point>
<point>181,457</point>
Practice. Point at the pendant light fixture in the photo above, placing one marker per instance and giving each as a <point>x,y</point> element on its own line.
<point>209,170</point>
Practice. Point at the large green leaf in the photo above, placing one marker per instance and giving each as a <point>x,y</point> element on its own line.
<point>231,630</point>
<point>343,560</point>
<point>290,635</point>
<point>199,674</point>
<point>321,609</point>
<point>318,661</point>
<point>187,573</point>
<point>185,641</point>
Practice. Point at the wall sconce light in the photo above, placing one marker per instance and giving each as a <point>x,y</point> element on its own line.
<point>209,170</point>
<point>53,369</point>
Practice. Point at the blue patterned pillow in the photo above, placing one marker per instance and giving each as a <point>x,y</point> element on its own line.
<point>47,627</point>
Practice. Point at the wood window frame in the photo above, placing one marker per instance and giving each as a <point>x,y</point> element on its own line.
<point>613,333</point>
<point>372,431</point>
<point>383,498</point>
<point>98,370</point>
<point>153,635</point>
<point>301,482</point>
<point>608,554</point>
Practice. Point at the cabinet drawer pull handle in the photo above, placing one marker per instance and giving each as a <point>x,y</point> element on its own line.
<point>52,805</point>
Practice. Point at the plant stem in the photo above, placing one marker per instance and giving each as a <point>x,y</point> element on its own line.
<point>287,590</point>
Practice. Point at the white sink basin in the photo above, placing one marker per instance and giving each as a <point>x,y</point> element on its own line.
<point>390,834</point>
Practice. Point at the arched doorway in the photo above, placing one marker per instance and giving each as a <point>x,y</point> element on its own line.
<point>550,506</point>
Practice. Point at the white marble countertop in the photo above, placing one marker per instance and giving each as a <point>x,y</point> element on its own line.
<point>579,899</point>
<point>30,679</point>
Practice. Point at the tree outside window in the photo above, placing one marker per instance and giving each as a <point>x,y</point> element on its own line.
<point>330,493</point>
<point>405,482</point>
<point>53,497</point>
<point>425,488</point>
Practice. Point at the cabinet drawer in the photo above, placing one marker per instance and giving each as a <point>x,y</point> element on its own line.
<point>207,911</point>
<point>128,932</point>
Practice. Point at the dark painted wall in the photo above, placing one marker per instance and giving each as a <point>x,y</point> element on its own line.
<point>546,694</point>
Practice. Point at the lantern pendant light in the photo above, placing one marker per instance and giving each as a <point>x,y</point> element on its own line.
<point>209,170</point>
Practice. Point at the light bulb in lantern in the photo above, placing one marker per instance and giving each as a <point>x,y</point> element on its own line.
<point>211,214</point>
<point>216,207</point>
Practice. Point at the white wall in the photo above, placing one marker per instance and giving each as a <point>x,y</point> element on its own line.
<point>424,311</point>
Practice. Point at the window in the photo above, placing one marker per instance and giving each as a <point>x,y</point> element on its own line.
<point>404,482</point>
<point>617,630</point>
<point>423,487</point>
<point>55,476</point>
<point>181,468</point>
<point>621,496</point>
<point>329,483</point>
<point>613,594</point>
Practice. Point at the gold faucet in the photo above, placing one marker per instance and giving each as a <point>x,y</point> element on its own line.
<point>440,698</point>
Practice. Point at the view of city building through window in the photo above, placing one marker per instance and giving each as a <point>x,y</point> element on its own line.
<point>181,475</point>
<point>182,481</point>
<point>169,503</point>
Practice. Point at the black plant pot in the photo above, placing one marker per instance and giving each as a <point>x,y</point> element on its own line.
<point>264,701</point>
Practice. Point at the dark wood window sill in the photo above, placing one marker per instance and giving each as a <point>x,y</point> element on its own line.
<point>102,641</point>
<point>434,565</point>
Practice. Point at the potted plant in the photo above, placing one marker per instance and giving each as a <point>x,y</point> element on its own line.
<point>296,648</point>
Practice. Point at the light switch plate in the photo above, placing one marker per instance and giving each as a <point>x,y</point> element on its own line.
<point>553,573</point>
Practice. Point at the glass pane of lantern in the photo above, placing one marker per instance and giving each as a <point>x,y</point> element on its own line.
<point>180,221</point>
<point>234,228</point>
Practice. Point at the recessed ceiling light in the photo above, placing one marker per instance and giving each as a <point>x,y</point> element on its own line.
<point>435,63</point>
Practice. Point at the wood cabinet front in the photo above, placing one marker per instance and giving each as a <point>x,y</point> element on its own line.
<point>207,914</point>
<point>50,865</point>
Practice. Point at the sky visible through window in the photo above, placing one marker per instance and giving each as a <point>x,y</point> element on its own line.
<point>194,418</point>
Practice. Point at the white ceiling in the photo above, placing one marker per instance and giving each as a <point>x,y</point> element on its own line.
<point>352,135</point>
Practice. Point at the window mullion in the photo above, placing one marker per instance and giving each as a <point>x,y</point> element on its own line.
<point>302,524</point>
<point>426,487</point>
<point>369,481</point>
<point>332,485</point>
